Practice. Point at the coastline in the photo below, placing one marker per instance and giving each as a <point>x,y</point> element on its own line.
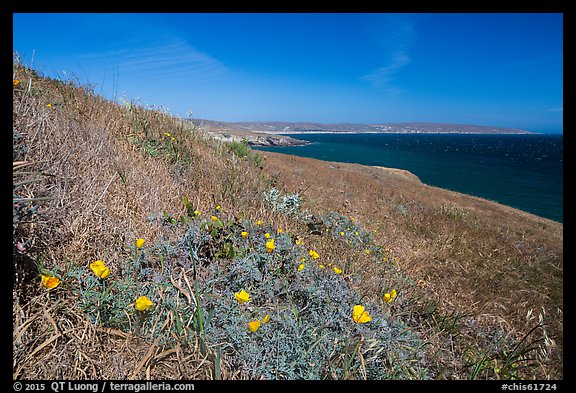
<point>282,138</point>
<point>467,174</point>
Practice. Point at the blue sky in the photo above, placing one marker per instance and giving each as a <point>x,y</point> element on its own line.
<point>495,69</point>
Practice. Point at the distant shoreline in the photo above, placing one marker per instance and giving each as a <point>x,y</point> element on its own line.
<point>397,133</point>
<point>299,128</point>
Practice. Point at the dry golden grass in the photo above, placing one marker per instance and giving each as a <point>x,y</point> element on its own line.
<point>103,189</point>
<point>471,257</point>
<point>474,257</point>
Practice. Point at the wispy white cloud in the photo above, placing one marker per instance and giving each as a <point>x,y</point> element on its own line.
<point>556,109</point>
<point>394,42</point>
<point>381,77</point>
<point>168,59</point>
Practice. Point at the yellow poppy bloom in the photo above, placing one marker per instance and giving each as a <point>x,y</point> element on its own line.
<point>341,233</point>
<point>242,296</point>
<point>301,267</point>
<point>214,218</point>
<point>367,252</point>
<point>360,315</point>
<point>197,212</point>
<point>388,297</point>
<point>49,105</point>
<point>298,241</point>
<point>50,282</point>
<point>142,303</point>
<point>16,82</point>
<point>166,134</point>
<point>321,266</point>
<point>313,254</point>
<point>218,207</point>
<point>140,242</point>
<point>258,222</point>
<point>280,230</point>
<point>267,235</point>
<point>254,325</point>
<point>270,245</point>
<point>100,269</point>
<point>265,319</point>
<point>337,271</point>
<point>244,234</point>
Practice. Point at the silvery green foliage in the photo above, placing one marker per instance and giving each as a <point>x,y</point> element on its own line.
<point>338,224</point>
<point>287,204</point>
<point>310,335</point>
<point>309,330</point>
<point>311,327</point>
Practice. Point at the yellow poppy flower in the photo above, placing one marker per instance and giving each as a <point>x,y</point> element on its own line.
<point>280,230</point>
<point>244,234</point>
<point>254,325</point>
<point>337,271</point>
<point>242,296</point>
<point>301,267</point>
<point>298,241</point>
<point>142,303</point>
<point>100,269</point>
<point>214,218</point>
<point>197,212</point>
<point>166,134</point>
<point>267,235</point>
<point>265,319</point>
<point>360,315</point>
<point>270,245</point>
<point>321,266</point>
<point>258,222</point>
<point>313,254</point>
<point>16,82</point>
<point>388,297</point>
<point>341,233</point>
<point>140,242</point>
<point>218,207</point>
<point>50,282</point>
<point>49,105</point>
<point>367,252</point>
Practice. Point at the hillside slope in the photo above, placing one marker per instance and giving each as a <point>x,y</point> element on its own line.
<point>371,274</point>
<point>498,266</point>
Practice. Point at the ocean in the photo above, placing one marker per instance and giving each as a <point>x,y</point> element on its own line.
<point>524,171</point>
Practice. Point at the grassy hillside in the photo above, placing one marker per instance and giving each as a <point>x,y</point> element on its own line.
<point>370,274</point>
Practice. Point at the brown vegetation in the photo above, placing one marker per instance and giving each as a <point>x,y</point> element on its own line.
<point>96,177</point>
<point>496,266</point>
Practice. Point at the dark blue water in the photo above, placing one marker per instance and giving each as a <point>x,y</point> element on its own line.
<point>522,171</point>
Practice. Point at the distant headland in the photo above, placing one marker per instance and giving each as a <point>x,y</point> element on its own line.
<point>269,133</point>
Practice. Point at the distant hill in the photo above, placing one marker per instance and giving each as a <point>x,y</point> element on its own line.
<point>279,127</point>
